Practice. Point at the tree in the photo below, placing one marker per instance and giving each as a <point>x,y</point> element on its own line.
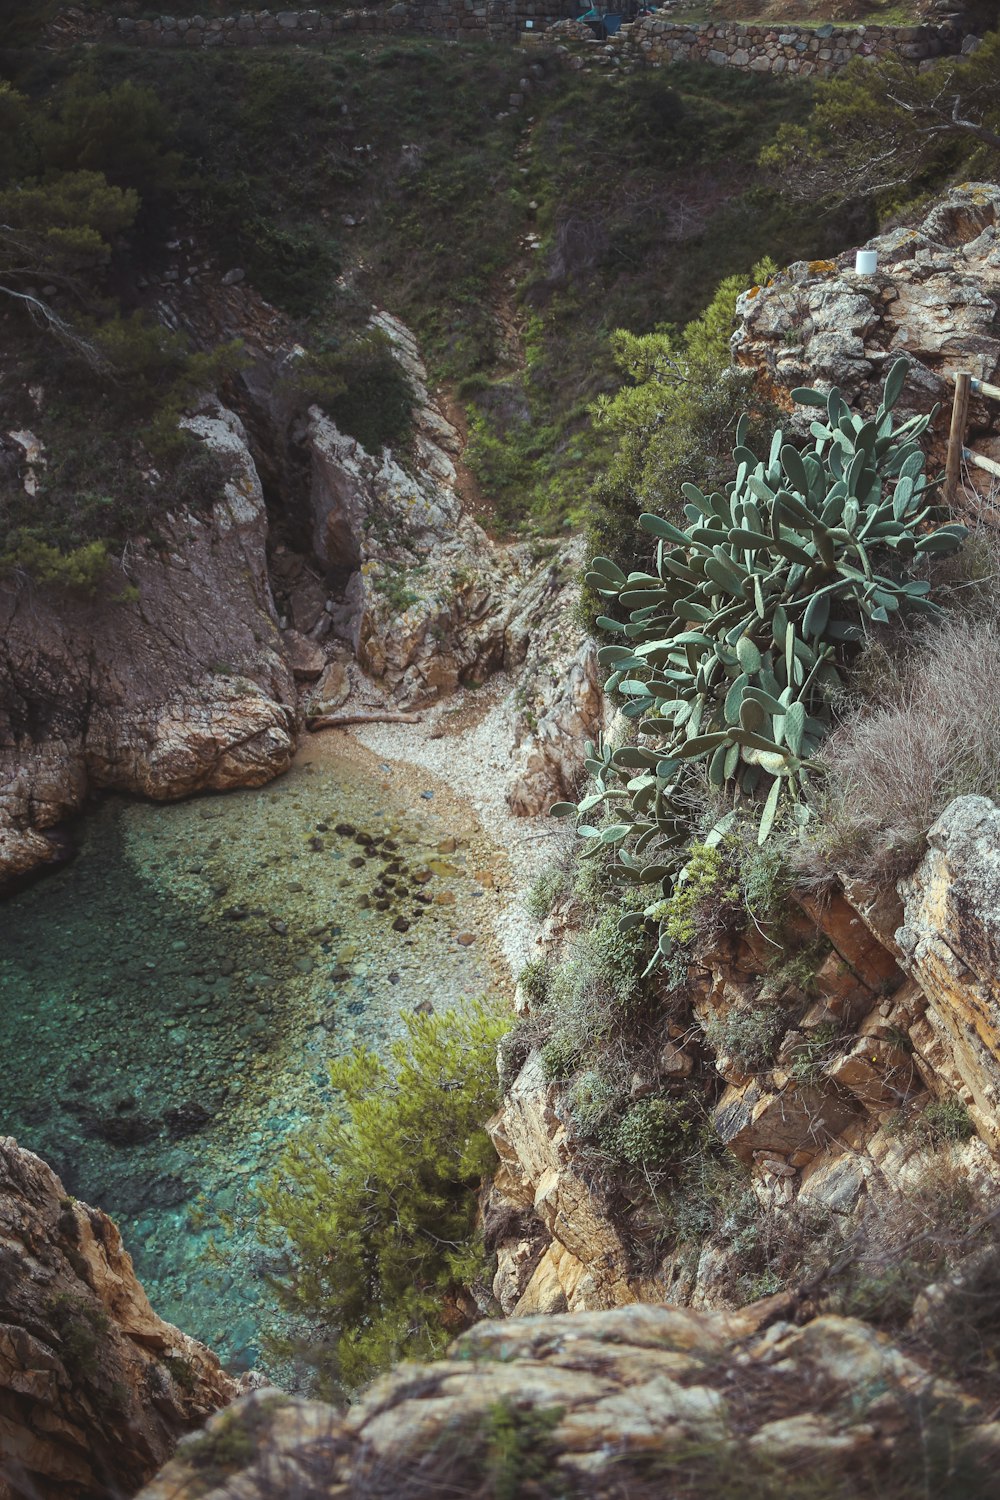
<point>675,419</point>
<point>881,128</point>
<point>376,1204</point>
<point>60,230</point>
<point>22,21</point>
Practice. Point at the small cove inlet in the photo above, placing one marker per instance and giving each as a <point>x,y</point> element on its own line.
<point>169,1001</point>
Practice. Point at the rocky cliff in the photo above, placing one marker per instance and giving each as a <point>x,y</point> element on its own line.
<point>95,1389</point>
<point>194,669</point>
<point>934,299</point>
<point>898,1010</point>
<point>641,1402</point>
<point>823,1079</point>
<point>171,682</point>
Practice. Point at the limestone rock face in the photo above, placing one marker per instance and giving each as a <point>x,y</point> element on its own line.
<point>426,601</point>
<point>892,1002</point>
<point>424,593</point>
<point>180,690</point>
<point>604,1403</point>
<point>585,1265</point>
<point>950,941</point>
<point>95,1389</point>
<point>935,299</point>
<point>567,708</point>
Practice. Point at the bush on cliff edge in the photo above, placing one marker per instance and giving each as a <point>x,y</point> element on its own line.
<point>375,1205</point>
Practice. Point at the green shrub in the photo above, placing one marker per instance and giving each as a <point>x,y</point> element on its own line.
<point>651,1134</point>
<point>375,1205</point>
<point>360,384</point>
<point>534,980</point>
<point>559,1056</point>
<point>81,568</point>
<point>545,892</point>
<point>739,641</point>
<point>749,1035</point>
<point>519,1451</point>
<point>618,958</point>
<point>595,1096</point>
<point>700,901</point>
<point>83,1328</point>
<point>944,1121</point>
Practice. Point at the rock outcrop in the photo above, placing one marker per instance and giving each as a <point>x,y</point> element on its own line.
<point>95,1389</point>
<point>934,299</point>
<point>639,1402</point>
<point>426,602</point>
<point>949,941</point>
<point>424,594</point>
<point>584,1263</point>
<point>171,682</point>
<point>816,1078</point>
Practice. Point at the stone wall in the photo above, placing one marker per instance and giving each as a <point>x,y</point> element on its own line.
<point>751,47</point>
<point>782,47</point>
<point>459,19</point>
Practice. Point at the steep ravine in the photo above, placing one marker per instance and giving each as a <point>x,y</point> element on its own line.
<point>182,979</point>
<point>623,1398</point>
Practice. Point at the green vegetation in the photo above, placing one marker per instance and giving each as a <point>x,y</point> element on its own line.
<point>375,1205</point>
<point>891,134</point>
<point>674,420</point>
<point>82,1328</point>
<point>651,1133</point>
<point>545,892</point>
<point>944,1121</point>
<point>818,1048</point>
<point>360,384</point>
<point>232,1444</point>
<point>702,899</point>
<point>519,1449</point>
<point>748,1035</point>
<point>740,640</point>
<point>415,144</point>
<point>597,219</point>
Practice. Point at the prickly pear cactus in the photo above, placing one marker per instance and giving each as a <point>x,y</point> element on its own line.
<point>735,647</point>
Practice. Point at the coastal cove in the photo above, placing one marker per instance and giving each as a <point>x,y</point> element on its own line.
<point>183,982</point>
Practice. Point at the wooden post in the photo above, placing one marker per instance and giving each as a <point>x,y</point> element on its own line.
<point>956,437</point>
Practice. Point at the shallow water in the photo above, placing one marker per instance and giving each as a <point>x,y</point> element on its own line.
<point>168,1002</point>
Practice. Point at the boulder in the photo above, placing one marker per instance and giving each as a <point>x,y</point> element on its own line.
<point>935,300</point>
<point>638,1400</point>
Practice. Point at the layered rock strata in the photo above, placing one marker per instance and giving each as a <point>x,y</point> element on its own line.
<point>426,602</point>
<point>95,1389</point>
<point>900,1008</point>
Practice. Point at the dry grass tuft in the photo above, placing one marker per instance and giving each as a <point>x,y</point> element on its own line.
<point>893,766</point>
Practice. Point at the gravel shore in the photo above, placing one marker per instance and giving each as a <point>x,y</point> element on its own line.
<point>461,752</point>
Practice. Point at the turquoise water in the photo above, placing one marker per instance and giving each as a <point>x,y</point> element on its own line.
<point>168,1002</point>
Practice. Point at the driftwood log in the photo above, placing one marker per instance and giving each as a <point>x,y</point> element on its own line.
<point>344,721</point>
